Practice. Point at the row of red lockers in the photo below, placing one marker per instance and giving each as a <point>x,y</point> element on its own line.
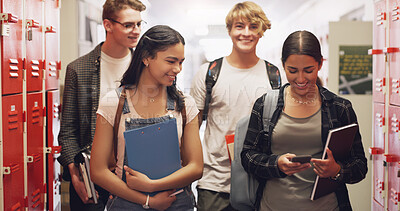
<point>386,59</point>
<point>18,31</point>
<point>25,32</point>
<point>40,159</point>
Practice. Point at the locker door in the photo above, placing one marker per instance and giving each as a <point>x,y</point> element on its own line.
<point>52,52</point>
<point>393,51</point>
<point>378,58</point>
<point>35,151</point>
<point>53,150</point>
<point>34,43</point>
<point>376,151</point>
<point>13,154</point>
<point>393,158</point>
<point>377,207</point>
<point>11,46</point>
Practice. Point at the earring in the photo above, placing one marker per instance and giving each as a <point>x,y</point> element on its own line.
<point>147,65</point>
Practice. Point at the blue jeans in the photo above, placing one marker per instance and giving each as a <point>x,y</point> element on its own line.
<point>184,202</point>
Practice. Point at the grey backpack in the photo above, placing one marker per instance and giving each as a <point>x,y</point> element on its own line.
<point>243,185</point>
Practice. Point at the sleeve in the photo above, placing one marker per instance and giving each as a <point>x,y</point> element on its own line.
<point>257,158</point>
<point>68,137</point>
<point>108,106</point>
<point>198,88</point>
<point>191,108</point>
<point>355,168</point>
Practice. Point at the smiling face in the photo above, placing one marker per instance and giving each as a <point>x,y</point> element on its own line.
<point>122,33</point>
<point>165,66</point>
<point>244,35</point>
<point>302,73</point>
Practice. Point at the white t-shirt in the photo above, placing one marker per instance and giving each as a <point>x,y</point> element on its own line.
<point>233,97</point>
<point>108,108</point>
<point>111,71</point>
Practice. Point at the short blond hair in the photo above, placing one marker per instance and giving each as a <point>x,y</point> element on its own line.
<point>251,12</point>
<point>110,7</point>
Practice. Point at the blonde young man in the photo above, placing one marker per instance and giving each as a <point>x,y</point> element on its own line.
<point>242,79</point>
<point>87,79</point>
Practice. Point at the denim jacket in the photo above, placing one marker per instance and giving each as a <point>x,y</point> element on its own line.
<point>259,160</point>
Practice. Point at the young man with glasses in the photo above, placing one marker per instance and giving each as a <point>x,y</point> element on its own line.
<point>89,78</point>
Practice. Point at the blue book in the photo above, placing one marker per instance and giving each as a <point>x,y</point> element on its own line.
<point>154,150</point>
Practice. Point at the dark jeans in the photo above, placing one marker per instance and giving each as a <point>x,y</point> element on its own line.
<point>76,203</point>
<point>184,202</point>
<point>211,200</point>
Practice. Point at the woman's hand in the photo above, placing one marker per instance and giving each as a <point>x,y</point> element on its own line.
<point>326,168</point>
<point>162,201</point>
<point>138,181</point>
<point>290,168</point>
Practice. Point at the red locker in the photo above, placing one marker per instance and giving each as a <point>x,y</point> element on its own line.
<point>377,207</point>
<point>378,45</point>
<point>377,150</point>
<point>52,52</point>
<point>53,150</point>
<point>34,59</point>
<point>393,51</point>
<point>11,46</point>
<point>35,148</point>
<point>393,158</point>
<point>13,154</point>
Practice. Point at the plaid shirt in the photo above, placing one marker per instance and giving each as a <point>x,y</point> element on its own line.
<point>80,102</point>
<point>259,160</point>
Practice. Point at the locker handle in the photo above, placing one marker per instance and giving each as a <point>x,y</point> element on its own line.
<point>8,17</point>
<point>390,158</point>
<point>50,29</point>
<point>53,150</point>
<point>32,23</point>
<point>11,169</point>
<point>375,151</point>
<point>393,50</point>
<point>375,51</point>
<point>34,158</point>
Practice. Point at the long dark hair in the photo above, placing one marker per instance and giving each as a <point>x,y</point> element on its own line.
<point>302,43</point>
<point>157,38</point>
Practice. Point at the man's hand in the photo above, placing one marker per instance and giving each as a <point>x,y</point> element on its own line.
<point>78,184</point>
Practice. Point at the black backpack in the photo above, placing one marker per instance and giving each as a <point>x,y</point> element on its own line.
<point>213,72</point>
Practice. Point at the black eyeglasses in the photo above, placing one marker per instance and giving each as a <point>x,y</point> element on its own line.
<point>131,25</point>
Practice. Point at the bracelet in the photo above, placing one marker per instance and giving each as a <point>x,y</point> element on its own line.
<point>336,177</point>
<point>146,205</point>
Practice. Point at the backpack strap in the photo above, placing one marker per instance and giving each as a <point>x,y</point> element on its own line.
<point>117,119</point>
<point>270,103</point>
<point>213,72</point>
<point>273,75</point>
<point>211,78</point>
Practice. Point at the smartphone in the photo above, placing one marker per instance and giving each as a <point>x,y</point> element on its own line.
<point>301,159</point>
